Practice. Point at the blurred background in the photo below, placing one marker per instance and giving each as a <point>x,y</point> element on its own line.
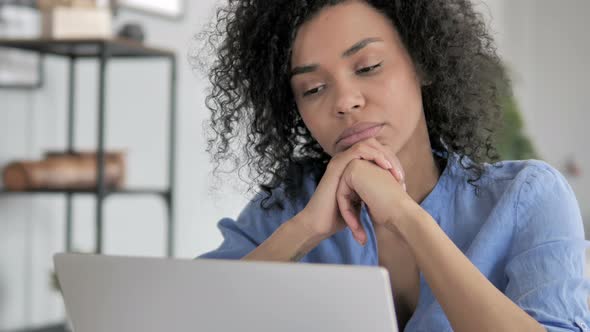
<point>152,101</point>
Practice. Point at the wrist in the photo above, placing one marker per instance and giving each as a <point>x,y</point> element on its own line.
<point>308,235</point>
<point>408,221</point>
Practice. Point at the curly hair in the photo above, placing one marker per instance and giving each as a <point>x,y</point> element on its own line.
<point>252,105</point>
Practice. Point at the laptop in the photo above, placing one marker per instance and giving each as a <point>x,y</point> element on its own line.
<point>114,293</point>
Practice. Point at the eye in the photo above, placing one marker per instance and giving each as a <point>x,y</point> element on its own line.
<point>313,91</point>
<point>369,69</point>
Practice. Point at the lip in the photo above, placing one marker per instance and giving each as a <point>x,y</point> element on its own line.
<point>358,132</point>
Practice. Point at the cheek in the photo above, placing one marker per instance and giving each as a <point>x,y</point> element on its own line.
<point>399,94</point>
<point>318,130</point>
<point>401,102</point>
<point>311,123</point>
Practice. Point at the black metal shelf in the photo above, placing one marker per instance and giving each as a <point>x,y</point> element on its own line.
<point>104,50</point>
<point>134,191</point>
<point>87,48</point>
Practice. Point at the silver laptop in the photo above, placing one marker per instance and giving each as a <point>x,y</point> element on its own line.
<point>107,293</point>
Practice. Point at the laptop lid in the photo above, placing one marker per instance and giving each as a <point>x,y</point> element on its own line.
<point>109,293</point>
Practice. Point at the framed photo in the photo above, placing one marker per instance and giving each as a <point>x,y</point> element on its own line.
<point>19,69</point>
<point>171,9</point>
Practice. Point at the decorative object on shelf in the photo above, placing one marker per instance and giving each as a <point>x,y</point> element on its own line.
<point>105,51</point>
<point>48,4</point>
<point>132,31</point>
<point>75,19</point>
<point>171,9</point>
<point>68,171</point>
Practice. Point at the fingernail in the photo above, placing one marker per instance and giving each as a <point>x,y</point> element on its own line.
<point>389,165</point>
<point>405,187</point>
<point>358,240</point>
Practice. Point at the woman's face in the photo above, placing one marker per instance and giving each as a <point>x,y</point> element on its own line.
<point>350,70</point>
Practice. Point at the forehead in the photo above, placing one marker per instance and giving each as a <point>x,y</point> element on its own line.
<point>336,28</point>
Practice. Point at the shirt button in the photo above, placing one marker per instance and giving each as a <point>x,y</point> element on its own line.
<point>581,324</point>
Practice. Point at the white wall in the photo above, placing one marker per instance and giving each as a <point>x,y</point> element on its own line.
<point>546,45</point>
<point>543,41</point>
<point>31,228</point>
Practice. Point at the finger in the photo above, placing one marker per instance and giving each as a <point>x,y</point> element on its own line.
<point>339,162</point>
<point>369,153</point>
<point>374,151</point>
<point>391,159</point>
<point>397,170</point>
<point>401,176</point>
<point>350,211</point>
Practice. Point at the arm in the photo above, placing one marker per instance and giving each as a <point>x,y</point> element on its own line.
<point>261,235</point>
<point>321,217</point>
<point>470,301</point>
<point>545,266</point>
<point>289,243</point>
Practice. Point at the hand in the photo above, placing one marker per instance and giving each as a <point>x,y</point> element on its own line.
<point>322,215</point>
<point>386,199</point>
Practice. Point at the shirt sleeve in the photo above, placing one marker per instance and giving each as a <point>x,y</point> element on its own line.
<point>252,227</point>
<point>545,269</point>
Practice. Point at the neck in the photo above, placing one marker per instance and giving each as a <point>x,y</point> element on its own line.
<point>421,170</point>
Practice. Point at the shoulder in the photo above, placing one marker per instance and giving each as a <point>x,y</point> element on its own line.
<point>536,198</point>
<point>526,180</point>
<point>546,200</point>
<point>533,185</point>
<point>517,179</point>
<point>520,169</point>
<point>278,204</point>
<point>267,211</point>
<point>543,204</point>
<point>527,188</point>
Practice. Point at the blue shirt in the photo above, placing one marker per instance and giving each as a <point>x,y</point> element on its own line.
<point>523,231</point>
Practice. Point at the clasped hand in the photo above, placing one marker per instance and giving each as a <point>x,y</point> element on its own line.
<point>366,173</point>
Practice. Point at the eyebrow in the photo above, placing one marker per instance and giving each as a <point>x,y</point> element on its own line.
<point>349,52</point>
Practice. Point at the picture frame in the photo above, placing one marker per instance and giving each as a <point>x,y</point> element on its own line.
<point>19,69</point>
<point>168,9</point>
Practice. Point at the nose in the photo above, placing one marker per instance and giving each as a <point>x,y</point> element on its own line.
<point>348,98</point>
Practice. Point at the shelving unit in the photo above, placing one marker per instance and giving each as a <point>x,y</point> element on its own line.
<point>104,50</point>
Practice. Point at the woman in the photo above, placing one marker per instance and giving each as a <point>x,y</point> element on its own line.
<point>368,125</point>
